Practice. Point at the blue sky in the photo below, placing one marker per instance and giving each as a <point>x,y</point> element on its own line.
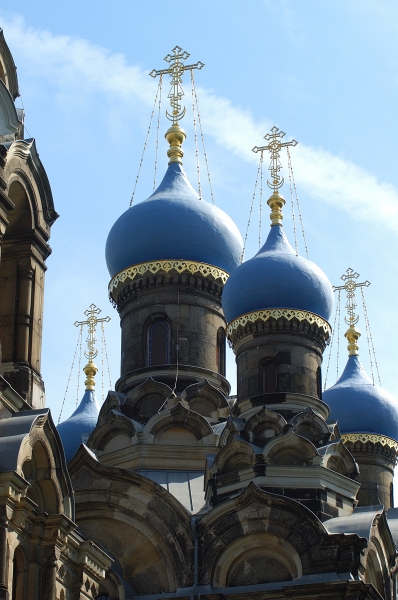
<point>324,72</point>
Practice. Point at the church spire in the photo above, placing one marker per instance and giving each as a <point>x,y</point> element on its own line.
<point>91,369</point>
<point>350,285</point>
<point>175,135</point>
<point>276,202</point>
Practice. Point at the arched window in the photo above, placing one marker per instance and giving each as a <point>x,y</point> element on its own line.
<point>18,575</point>
<point>391,495</point>
<point>221,351</point>
<point>319,383</point>
<point>270,377</point>
<point>158,343</point>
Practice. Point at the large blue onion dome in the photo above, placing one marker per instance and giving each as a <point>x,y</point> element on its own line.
<point>76,430</point>
<point>359,406</point>
<point>174,224</point>
<point>277,278</point>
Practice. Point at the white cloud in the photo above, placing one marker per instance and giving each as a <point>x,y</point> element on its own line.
<point>75,63</point>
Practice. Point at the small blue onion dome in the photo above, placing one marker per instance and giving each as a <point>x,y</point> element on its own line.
<point>76,430</point>
<point>276,278</point>
<point>173,224</point>
<point>359,406</point>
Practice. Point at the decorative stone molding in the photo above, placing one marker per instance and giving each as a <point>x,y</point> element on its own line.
<point>370,437</point>
<point>278,313</point>
<point>154,267</point>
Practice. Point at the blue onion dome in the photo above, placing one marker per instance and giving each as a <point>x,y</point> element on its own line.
<point>174,224</point>
<point>277,278</point>
<point>359,406</point>
<point>76,430</point>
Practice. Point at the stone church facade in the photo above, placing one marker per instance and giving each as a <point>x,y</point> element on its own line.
<point>173,488</point>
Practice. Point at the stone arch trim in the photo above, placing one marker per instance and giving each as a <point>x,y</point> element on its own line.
<point>128,497</point>
<point>311,419</point>
<point>289,442</point>
<point>204,392</point>
<point>262,419</point>
<point>9,67</point>
<point>178,416</point>
<point>338,455</point>
<point>237,455</point>
<point>256,512</point>
<point>114,424</point>
<point>19,434</point>
<point>274,546</point>
<point>8,109</point>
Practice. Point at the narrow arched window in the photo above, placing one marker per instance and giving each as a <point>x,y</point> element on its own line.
<point>391,495</point>
<point>158,343</point>
<point>19,575</point>
<point>319,383</point>
<point>270,377</point>
<point>221,342</point>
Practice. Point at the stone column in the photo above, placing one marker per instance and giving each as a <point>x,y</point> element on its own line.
<point>3,562</point>
<point>25,283</point>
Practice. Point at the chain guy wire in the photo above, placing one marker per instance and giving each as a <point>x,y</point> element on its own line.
<point>196,137</point>
<point>251,207</point>
<point>79,370</point>
<point>201,135</point>
<point>70,373</point>
<point>146,142</point>
<point>157,132</point>
<point>370,339</point>
<point>293,211</point>
<point>261,200</point>
<point>106,355</point>
<point>332,338</point>
<point>338,339</point>
<point>297,201</point>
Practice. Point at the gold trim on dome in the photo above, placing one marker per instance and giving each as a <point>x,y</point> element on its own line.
<point>277,313</point>
<point>370,437</point>
<point>168,265</point>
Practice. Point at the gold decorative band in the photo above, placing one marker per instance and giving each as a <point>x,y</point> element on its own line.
<point>277,313</point>
<point>370,437</point>
<point>180,266</point>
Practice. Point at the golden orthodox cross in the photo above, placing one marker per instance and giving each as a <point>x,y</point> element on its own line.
<point>175,71</point>
<point>274,147</point>
<point>350,286</point>
<point>92,321</point>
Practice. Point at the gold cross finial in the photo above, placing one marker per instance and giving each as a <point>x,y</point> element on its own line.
<point>276,202</point>
<point>92,320</point>
<point>176,69</point>
<point>175,134</point>
<point>350,286</point>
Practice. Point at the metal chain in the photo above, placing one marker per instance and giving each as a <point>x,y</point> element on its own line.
<point>70,374</point>
<point>196,137</point>
<point>145,145</point>
<point>201,135</point>
<point>370,339</point>
<point>332,340</point>
<point>261,200</point>
<point>297,202</point>
<point>292,203</point>
<point>106,356</point>
<point>78,370</point>
<point>157,132</point>
<point>251,208</point>
<point>338,340</point>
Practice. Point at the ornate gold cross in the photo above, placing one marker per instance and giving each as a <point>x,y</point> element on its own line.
<point>91,323</point>
<point>274,147</point>
<point>175,71</point>
<point>350,286</point>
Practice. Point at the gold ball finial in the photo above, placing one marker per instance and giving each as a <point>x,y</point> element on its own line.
<point>276,203</point>
<point>90,371</point>
<point>176,136</point>
<point>352,334</point>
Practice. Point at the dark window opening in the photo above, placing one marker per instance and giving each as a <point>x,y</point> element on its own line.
<point>221,359</point>
<point>270,377</point>
<point>319,383</point>
<point>158,344</point>
<point>391,495</point>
